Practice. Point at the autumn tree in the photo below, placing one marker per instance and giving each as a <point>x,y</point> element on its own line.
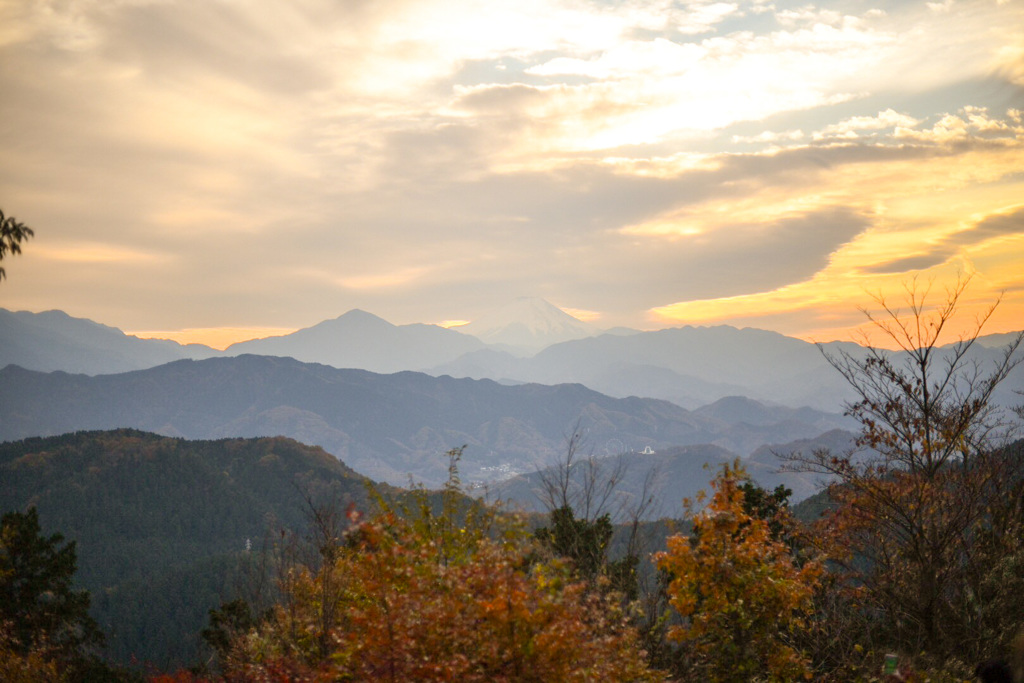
<point>741,593</point>
<point>25,665</point>
<point>771,506</point>
<point>921,520</point>
<point>494,616</point>
<point>439,589</point>
<point>12,234</point>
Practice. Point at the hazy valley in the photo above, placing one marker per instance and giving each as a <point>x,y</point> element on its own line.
<point>388,400</point>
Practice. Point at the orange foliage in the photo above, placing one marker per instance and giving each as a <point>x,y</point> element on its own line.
<point>408,612</point>
<point>740,593</point>
<point>19,666</point>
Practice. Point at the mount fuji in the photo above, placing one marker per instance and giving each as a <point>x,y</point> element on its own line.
<point>526,325</point>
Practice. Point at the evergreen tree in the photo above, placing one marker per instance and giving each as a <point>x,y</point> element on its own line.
<point>36,596</point>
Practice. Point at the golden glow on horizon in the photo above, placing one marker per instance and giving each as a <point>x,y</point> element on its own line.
<point>1006,318</point>
<point>448,324</point>
<point>827,306</point>
<point>94,253</point>
<point>215,337</point>
<point>582,314</point>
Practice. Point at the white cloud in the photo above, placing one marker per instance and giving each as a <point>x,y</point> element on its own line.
<point>969,122</point>
<point>771,136</point>
<point>660,89</point>
<point>808,15</point>
<point>651,59</point>
<point>700,18</point>
<point>940,7</point>
<point>850,128</point>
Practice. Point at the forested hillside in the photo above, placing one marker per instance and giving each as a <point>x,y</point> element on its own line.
<point>162,524</point>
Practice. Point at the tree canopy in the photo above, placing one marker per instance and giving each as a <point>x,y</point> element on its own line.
<point>741,592</point>
<point>12,234</point>
<point>442,592</point>
<point>46,624</point>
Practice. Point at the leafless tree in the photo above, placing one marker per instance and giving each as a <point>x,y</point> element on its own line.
<point>328,522</point>
<point>913,511</point>
<point>584,501</point>
<point>582,483</point>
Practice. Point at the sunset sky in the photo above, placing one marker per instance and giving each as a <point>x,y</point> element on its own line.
<point>241,168</point>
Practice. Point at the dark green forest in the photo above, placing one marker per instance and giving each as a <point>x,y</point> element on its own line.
<point>161,524</point>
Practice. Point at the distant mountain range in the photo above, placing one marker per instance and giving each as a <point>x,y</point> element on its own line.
<point>694,366</point>
<point>53,340</point>
<point>689,366</point>
<point>387,427</point>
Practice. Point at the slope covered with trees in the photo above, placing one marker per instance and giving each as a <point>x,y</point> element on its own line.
<point>160,524</point>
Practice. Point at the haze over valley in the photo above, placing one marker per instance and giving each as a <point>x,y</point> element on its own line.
<point>388,400</point>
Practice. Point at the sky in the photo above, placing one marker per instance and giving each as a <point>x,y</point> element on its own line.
<point>219,170</point>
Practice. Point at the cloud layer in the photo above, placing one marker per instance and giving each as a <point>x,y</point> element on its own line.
<point>225,164</point>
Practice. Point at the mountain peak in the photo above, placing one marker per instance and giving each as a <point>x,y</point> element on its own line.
<point>358,339</point>
<point>358,315</point>
<point>55,340</point>
<point>528,324</point>
<point>356,312</point>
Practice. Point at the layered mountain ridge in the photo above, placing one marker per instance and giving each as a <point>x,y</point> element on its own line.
<point>387,427</point>
<point>688,366</point>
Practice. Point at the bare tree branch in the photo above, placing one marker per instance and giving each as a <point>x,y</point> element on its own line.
<point>912,514</point>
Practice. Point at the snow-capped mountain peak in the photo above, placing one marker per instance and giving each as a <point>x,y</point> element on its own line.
<point>528,324</point>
